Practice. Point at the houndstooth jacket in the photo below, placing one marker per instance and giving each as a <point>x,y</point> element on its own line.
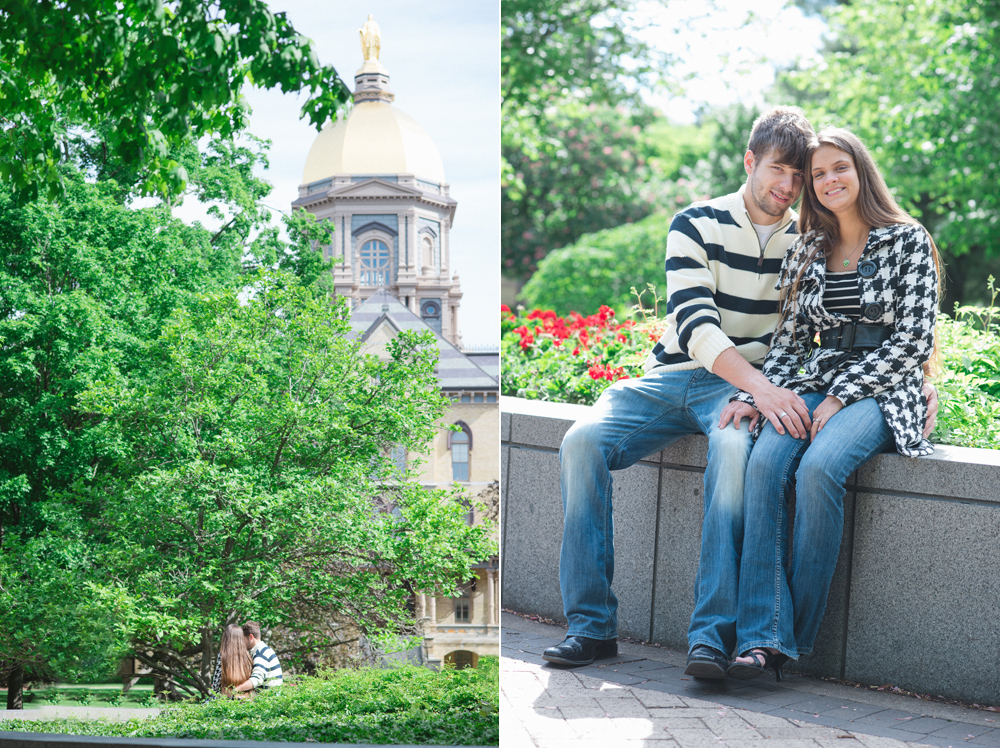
<point>901,293</point>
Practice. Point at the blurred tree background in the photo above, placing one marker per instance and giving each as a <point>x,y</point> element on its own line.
<point>917,82</point>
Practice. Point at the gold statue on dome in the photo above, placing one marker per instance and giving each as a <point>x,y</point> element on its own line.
<point>371,39</point>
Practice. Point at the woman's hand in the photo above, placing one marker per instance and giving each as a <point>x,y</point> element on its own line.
<point>823,413</point>
<point>736,412</point>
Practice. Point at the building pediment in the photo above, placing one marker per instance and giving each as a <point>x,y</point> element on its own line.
<point>374,188</point>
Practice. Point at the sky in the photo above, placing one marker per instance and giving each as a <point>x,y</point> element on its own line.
<point>443,59</point>
<point>724,52</point>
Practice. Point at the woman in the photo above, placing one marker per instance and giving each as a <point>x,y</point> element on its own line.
<point>233,665</point>
<point>863,275</point>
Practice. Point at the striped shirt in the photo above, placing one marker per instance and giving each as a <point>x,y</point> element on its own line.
<point>266,668</point>
<point>720,285</point>
<point>841,294</point>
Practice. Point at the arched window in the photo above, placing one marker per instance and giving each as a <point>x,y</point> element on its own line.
<point>460,444</point>
<point>427,255</point>
<point>374,264</point>
<point>461,659</point>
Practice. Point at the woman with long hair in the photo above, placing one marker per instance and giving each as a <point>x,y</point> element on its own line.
<point>862,280</point>
<point>233,666</point>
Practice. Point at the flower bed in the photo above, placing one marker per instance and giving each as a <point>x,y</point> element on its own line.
<point>574,359</point>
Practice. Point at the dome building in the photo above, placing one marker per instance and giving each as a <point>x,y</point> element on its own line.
<point>378,177</point>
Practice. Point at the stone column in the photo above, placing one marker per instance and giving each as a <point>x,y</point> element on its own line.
<point>432,609</point>
<point>490,610</point>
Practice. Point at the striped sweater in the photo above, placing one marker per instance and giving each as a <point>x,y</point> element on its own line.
<point>266,668</point>
<point>720,285</point>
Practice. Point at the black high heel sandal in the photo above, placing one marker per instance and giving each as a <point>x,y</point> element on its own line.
<point>763,661</point>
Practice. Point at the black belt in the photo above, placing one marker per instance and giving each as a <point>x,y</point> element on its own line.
<point>855,335</point>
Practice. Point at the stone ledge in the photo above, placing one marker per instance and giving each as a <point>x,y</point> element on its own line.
<point>916,574</point>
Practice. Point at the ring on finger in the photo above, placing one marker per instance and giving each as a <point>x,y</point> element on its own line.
<point>782,414</point>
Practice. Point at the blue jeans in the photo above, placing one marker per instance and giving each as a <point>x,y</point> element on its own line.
<point>780,610</point>
<point>633,419</point>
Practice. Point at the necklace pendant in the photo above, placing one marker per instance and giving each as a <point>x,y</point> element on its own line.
<point>846,263</point>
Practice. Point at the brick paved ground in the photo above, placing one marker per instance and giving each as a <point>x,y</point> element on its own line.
<point>642,697</point>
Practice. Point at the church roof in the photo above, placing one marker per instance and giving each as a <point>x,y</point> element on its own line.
<point>455,369</point>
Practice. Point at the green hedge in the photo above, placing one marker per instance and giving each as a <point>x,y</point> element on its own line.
<point>408,704</point>
<point>601,268</point>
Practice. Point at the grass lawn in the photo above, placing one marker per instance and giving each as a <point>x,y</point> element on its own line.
<point>87,694</point>
<point>408,704</point>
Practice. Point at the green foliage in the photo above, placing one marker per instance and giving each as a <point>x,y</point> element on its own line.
<point>402,705</point>
<point>253,475</point>
<point>184,437</point>
<point>593,170</point>
<point>543,359</point>
<point>917,82</point>
<point>969,384</point>
<point>601,268</point>
<point>567,45</point>
<point>572,161</point>
<point>547,357</point>
<point>141,78</point>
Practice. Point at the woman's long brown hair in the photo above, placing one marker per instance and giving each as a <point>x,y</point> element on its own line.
<point>875,205</point>
<point>236,664</point>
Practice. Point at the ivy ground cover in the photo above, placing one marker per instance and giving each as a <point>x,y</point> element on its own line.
<point>403,705</point>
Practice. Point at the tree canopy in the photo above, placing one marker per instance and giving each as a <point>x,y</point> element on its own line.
<point>918,83</point>
<point>572,158</point>
<point>132,80</point>
<point>189,422</point>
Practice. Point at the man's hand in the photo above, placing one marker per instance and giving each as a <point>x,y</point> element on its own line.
<point>784,409</point>
<point>930,394</point>
<point>823,413</point>
<point>736,412</point>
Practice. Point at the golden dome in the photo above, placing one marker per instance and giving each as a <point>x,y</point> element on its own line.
<point>375,138</point>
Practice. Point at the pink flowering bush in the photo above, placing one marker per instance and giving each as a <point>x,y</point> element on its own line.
<point>570,359</point>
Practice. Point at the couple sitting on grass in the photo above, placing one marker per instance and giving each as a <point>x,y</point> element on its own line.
<point>245,663</point>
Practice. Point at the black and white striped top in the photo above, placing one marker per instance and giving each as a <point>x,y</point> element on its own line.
<point>841,295</point>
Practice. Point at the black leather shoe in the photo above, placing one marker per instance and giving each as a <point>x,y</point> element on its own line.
<point>705,662</point>
<point>580,650</point>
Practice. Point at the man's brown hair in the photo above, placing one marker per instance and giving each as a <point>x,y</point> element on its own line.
<point>252,628</point>
<point>786,132</point>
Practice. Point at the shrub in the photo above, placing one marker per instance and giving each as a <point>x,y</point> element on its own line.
<point>601,268</point>
<point>969,384</point>
<point>408,704</point>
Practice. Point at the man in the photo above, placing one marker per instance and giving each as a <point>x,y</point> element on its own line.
<point>723,259</point>
<point>266,671</point>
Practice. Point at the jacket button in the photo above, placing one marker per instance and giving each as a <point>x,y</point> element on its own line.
<point>867,269</point>
<point>872,311</point>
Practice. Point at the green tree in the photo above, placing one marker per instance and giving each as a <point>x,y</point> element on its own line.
<point>917,82</point>
<point>128,82</point>
<point>86,285</point>
<point>595,171</point>
<point>555,57</point>
<point>251,476</point>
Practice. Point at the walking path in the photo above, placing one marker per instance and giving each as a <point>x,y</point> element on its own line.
<point>642,697</point>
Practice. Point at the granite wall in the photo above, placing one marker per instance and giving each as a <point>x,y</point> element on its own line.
<point>915,597</point>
